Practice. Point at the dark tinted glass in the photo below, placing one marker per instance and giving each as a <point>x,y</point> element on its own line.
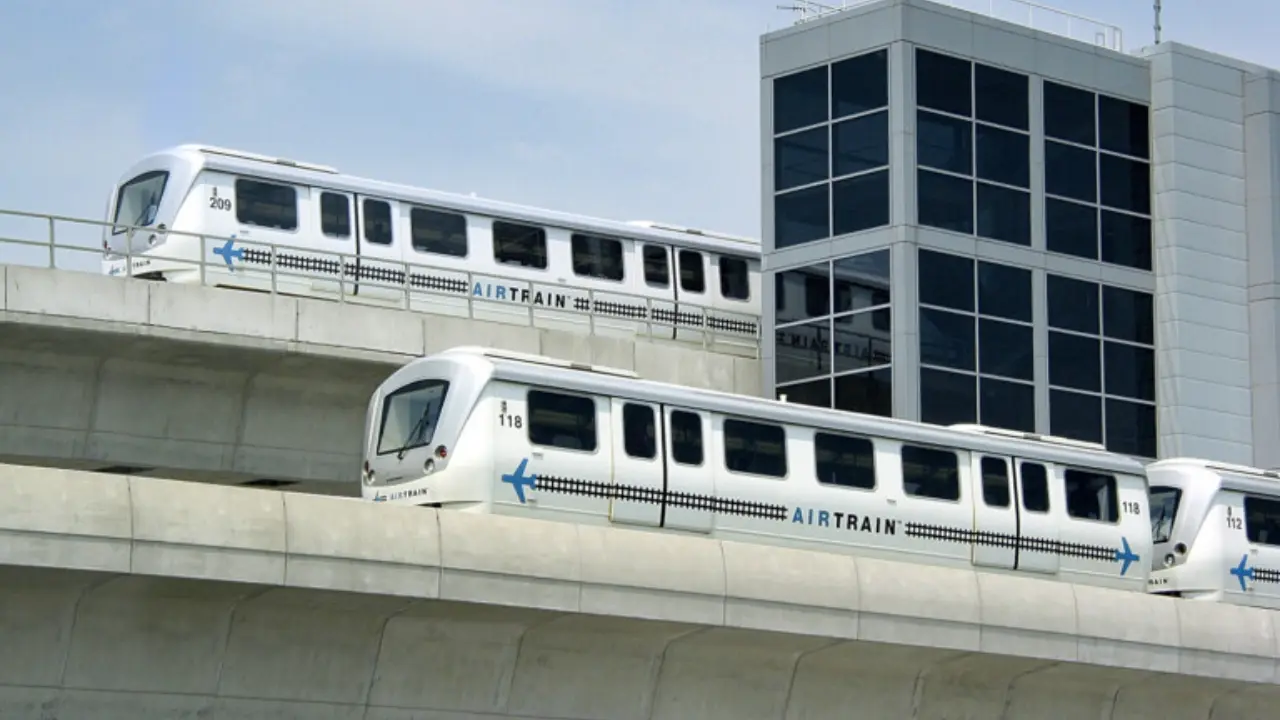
<point>1071,228</point>
<point>860,202</point>
<point>1068,113</point>
<point>801,294</point>
<point>1128,315</point>
<point>942,83</point>
<point>860,144</point>
<point>1126,184</point>
<point>944,143</point>
<point>947,398</point>
<point>1034,486</point>
<point>800,159</point>
<point>1123,127</point>
<point>1130,371</point>
<point>1126,240</point>
<point>946,280</point>
<point>800,99</point>
<point>946,339</point>
<point>801,216</point>
<point>1004,291</point>
<point>844,460</point>
<point>1070,171</point>
<point>1001,96</point>
<point>865,392</point>
<point>945,202</point>
<point>1003,156</point>
<point>1005,349</point>
<point>1131,428</point>
<point>862,340</point>
<point>802,351</point>
<point>1073,415</point>
<point>861,281</point>
<point>1007,405</point>
<point>1073,304</point>
<point>859,84</point>
<point>1074,362</point>
<point>813,392</point>
<point>1004,214</point>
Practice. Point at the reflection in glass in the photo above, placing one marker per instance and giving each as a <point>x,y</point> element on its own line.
<point>813,392</point>
<point>862,340</point>
<point>865,392</point>
<point>801,294</point>
<point>861,281</point>
<point>802,351</point>
<point>946,339</point>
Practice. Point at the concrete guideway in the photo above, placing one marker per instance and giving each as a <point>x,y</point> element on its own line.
<point>122,597</point>
<point>232,386</point>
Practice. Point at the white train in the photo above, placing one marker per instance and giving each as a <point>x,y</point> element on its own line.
<point>326,232</point>
<point>482,430</point>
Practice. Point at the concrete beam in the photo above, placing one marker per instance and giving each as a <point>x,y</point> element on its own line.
<point>228,386</point>
<point>126,596</point>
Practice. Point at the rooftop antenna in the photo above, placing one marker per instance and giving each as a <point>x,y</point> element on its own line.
<point>1157,26</point>
<point>809,7</point>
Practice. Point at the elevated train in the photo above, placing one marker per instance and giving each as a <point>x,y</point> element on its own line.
<point>327,233</point>
<point>482,430</point>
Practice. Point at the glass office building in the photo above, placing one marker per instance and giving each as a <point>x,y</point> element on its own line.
<point>971,220</point>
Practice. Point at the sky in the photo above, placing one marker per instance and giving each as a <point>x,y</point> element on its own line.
<point>615,108</point>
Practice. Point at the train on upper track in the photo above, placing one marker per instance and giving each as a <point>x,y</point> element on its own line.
<point>235,219</point>
<point>482,430</point>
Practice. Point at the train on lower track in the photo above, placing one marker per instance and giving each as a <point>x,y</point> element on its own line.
<point>326,233</point>
<point>482,430</point>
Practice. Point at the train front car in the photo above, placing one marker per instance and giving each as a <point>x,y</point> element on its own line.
<point>146,206</point>
<point>1215,532</point>
<point>424,445</point>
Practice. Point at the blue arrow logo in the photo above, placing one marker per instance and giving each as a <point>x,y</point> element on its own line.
<point>1241,572</point>
<point>1126,556</point>
<point>519,481</point>
<point>227,253</point>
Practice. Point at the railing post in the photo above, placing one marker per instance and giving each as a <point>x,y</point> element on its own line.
<point>204,260</point>
<point>53,244</point>
<point>274,269</point>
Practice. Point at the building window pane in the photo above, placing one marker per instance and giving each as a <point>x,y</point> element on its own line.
<point>800,159</point>
<point>1005,349</point>
<point>1130,371</point>
<point>1068,113</point>
<point>801,216</point>
<point>1074,362</point>
<point>862,340</point>
<point>1001,97</point>
<point>802,351</point>
<point>1071,228</point>
<point>1003,156</point>
<point>943,83</point>
<point>1123,127</point>
<point>945,202</point>
<point>1004,214</point>
<point>1004,291</point>
<point>800,100</point>
<point>1126,240</point>
<point>1128,315</point>
<point>861,281</point>
<point>1131,428</point>
<point>865,392</point>
<point>801,294</point>
<point>1073,415</point>
<point>1070,171</point>
<point>860,84</point>
<point>1073,304</point>
<point>861,202</point>
<point>947,398</point>
<point>1126,184</point>
<point>946,280</point>
<point>944,143</point>
<point>813,392</point>
<point>859,144</point>
<point>946,339</point>
<point>1008,405</point>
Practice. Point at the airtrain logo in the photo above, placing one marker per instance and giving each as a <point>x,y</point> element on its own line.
<point>520,295</point>
<point>523,481</point>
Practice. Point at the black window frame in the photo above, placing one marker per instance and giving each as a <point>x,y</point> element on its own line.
<point>950,476</point>
<point>844,445</point>
<point>1071,482</point>
<point>374,222</point>
<point>750,434</point>
<point>735,278</point>
<point>633,412</point>
<point>597,257</point>
<point>512,250</point>
<point>650,253</point>
<point>533,406</point>
<point>685,423</point>
<point>247,211</point>
<point>342,220</point>
<point>1034,487</point>
<point>447,243</point>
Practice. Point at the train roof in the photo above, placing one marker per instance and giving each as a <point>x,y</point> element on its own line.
<point>1240,478</point>
<point>536,369</point>
<point>286,170</point>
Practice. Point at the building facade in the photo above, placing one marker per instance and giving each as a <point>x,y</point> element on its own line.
<point>970,220</point>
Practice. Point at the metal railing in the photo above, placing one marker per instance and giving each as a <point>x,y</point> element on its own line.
<point>1023,12</point>
<point>301,271</point>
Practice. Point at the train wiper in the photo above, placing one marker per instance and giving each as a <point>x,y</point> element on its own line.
<point>417,428</point>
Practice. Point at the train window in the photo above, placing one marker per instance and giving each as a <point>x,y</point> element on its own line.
<point>562,421</point>
<point>734,284</point>
<point>844,460</point>
<point>755,448</point>
<point>440,233</point>
<point>597,257</point>
<point>410,414</point>
<point>995,482</point>
<point>638,431</point>
<point>1034,481</point>
<point>686,437</point>
<point>519,244</point>
<point>1164,508</point>
<point>1092,496</point>
<point>656,271</point>
<point>930,473</point>
<point>692,276</point>
<point>335,215</point>
<point>1262,520</point>
<point>268,205</point>
<point>377,221</point>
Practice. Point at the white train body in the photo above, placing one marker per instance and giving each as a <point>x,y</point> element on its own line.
<point>1216,531</point>
<point>478,430</point>
<point>465,256</point>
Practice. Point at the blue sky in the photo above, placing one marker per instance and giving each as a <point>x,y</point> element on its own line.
<point>616,108</point>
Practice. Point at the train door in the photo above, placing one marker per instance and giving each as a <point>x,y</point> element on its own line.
<point>381,266</point>
<point>1257,571</point>
<point>691,486</point>
<point>995,512</point>
<point>691,295</point>
<point>655,261</point>
<point>639,475</point>
<point>336,236</point>
<point>1038,541</point>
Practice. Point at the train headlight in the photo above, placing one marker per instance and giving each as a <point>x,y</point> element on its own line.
<point>1169,560</point>
<point>429,466</point>
<point>368,474</point>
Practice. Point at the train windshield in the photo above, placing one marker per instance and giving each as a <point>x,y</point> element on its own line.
<point>1164,507</point>
<point>139,200</point>
<point>410,414</point>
